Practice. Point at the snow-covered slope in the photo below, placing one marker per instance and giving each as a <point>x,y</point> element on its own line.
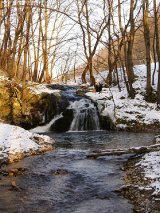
<point>124,111</point>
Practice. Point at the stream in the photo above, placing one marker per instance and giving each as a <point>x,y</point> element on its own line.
<point>65,181</point>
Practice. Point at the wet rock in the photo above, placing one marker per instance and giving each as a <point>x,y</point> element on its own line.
<point>82,90</point>
<point>63,124</point>
<point>60,172</point>
<point>16,171</point>
<point>106,123</point>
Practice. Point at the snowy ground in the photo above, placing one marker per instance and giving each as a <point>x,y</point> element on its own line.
<point>150,163</point>
<point>42,88</point>
<point>16,143</point>
<point>124,111</point>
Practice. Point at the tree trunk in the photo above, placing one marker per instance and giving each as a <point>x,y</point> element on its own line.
<point>84,75</point>
<point>147,45</point>
<point>110,61</point>
<point>26,55</point>
<point>46,44</point>
<point>157,51</point>
<point>127,49</point>
<point>90,66</point>
<point>129,53</point>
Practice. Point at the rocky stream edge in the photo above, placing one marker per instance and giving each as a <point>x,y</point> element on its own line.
<point>138,188</point>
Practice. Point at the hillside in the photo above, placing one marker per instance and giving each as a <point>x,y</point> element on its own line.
<point>126,113</point>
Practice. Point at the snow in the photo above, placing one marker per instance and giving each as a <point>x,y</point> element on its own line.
<point>150,163</point>
<point>118,106</point>
<point>151,166</point>
<point>15,140</point>
<point>42,88</point>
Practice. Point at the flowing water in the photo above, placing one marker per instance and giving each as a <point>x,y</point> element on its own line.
<point>85,116</point>
<point>85,113</point>
<point>65,181</point>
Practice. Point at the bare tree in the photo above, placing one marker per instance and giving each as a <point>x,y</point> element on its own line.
<point>90,32</point>
<point>148,48</point>
<point>110,41</point>
<point>157,48</point>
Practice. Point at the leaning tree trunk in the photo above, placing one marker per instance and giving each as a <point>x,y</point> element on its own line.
<point>90,66</point>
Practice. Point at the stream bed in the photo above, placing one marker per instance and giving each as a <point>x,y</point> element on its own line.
<point>65,181</point>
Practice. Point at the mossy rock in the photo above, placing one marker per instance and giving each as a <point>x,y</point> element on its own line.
<point>37,108</point>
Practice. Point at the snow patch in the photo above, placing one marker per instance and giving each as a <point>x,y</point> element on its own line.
<point>151,166</point>
<point>14,139</point>
<point>42,88</point>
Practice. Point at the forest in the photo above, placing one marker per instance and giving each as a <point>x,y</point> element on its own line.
<point>41,40</point>
<point>80,106</point>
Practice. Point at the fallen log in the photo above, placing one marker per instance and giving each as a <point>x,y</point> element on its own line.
<point>132,150</point>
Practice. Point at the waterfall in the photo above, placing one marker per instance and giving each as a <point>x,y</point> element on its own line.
<point>85,116</point>
<point>46,128</point>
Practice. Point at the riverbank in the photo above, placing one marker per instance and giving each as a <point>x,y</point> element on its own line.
<point>17,143</point>
<point>142,177</point>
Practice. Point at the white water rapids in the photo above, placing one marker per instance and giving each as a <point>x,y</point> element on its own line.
<point>46,128</point>
<point>85,116</point>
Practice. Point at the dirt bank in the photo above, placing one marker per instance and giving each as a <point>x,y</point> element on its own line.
<point>138,189</point>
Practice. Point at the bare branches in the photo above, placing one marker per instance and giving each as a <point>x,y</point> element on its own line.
<point>37,36</point>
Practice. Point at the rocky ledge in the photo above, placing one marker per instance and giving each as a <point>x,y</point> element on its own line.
<point>40,105</point>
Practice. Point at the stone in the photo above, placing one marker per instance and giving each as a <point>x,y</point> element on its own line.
<point>63,124</point>
<point>106,123</point>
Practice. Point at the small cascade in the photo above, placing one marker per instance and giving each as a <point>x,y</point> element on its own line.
<point>46,128</point>
<point>85,116</point>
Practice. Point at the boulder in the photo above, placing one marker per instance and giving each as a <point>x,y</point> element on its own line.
<point>63,124</point>
<point>106,123</point>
